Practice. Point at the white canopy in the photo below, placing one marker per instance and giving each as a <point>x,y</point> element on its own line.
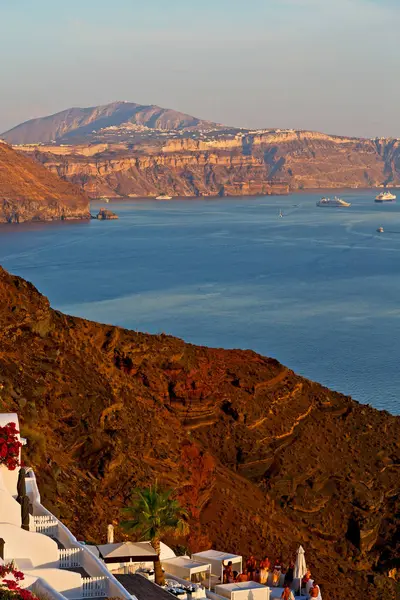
<point>127,551</point>
<point>183,566</point>
<point>244,590</point>
<point>218,560</point>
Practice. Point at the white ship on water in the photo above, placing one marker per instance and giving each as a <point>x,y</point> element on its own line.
<point>385,197</point>
<point>335,202</point>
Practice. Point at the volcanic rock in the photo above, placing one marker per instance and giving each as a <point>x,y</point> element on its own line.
<point>106,215</point>
<point>263,459</point>
<point>29,192</point>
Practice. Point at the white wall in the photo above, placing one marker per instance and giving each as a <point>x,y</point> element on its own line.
<point>36,548</point>
<point>43,590</point>
<point>10,510</point>
<point>62,580</point>
<point>253,594</point>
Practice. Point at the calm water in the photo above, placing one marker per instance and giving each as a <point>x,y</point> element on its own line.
<point>318,289</point>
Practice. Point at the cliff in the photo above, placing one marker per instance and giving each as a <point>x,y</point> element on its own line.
<point>73,122</point>
<point>262,458</point>
<point>225,164</point>
<point>139,174</point>
<point>28,192</point>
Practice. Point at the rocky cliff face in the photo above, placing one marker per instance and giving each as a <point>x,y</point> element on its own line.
<point>263,459</point>
<point>28,192</point>
<point>178,174</point>
<point>240,164</point>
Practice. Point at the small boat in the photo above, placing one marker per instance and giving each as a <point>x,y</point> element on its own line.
<point>280,213</point>
<point>164,197</point>
<point>104,199</point>
<point>335,202</point>
<point>380,230</point>
<point>385,197</point>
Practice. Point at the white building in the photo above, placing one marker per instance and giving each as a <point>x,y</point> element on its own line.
<point>55,564</point>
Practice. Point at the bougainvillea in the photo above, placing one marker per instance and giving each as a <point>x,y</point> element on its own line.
<point>10,589</point>
<point>9,446</point>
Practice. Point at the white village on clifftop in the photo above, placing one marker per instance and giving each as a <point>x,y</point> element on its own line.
<point>41,559</point>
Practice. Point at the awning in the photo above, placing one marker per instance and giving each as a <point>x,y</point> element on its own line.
<point>218,560</point>
<point>184,567</point>
<point>127,552</point>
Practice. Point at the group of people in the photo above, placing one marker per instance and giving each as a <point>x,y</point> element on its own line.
<point>270,572</point>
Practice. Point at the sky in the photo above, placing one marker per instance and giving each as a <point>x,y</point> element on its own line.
<point>327,65</point>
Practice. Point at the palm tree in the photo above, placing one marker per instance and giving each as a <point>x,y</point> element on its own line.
<point>155,513</point>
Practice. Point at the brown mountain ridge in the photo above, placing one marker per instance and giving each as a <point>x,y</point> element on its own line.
<point>262,458</point>
<point>77,121</point>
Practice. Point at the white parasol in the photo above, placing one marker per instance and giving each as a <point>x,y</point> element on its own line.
<point>300,567</point>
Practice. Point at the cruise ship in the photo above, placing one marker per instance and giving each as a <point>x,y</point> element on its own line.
<point>385,197</point>
<point>336,202</point>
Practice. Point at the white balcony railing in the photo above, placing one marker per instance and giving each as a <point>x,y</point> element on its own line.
<point>70,558</point>
<point>46,525</point>
<point>94,587</point>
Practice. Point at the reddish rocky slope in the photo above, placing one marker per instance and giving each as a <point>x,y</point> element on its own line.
<point>28,192</point>
<point>264,459</point>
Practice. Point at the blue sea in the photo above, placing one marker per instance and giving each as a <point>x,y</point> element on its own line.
<point>318,289</point>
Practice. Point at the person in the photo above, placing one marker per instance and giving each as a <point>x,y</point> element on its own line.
<point>257,577</point>
<point>228,573</point>
<point>251,565</point>
<point>287,593</point>
<point>306,578</point>
<point>267,563</point>
<point>276,574</point>
<point>264,571</point>
<point>242,576</point>
<point>315,592</point>
<point>290,573</point>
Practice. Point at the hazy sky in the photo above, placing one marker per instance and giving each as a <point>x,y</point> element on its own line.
<point>330,65</point>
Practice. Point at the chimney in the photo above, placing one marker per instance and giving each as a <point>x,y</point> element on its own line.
<point>110,534</point>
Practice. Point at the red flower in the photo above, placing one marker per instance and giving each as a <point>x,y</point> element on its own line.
<point>26,595</point>
<point>11,584</point>
<point>9,446</point>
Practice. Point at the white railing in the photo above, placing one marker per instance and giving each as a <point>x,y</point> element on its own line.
<point>93,587</point>
<point>70,558</point>
<point>46,524</point>
<point>91,563</point>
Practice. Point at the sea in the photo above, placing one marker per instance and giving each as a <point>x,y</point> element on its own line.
<point>317,288</point>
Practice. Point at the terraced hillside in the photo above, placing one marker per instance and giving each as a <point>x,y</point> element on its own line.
<point>262,458</point>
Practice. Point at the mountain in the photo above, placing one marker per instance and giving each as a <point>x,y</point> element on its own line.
<point>29,192</point>
<point>262,458</point>
<point>223,163</point>
<point>74,122</point>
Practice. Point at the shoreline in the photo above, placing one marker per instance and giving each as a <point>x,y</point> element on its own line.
<point>229,197</point>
